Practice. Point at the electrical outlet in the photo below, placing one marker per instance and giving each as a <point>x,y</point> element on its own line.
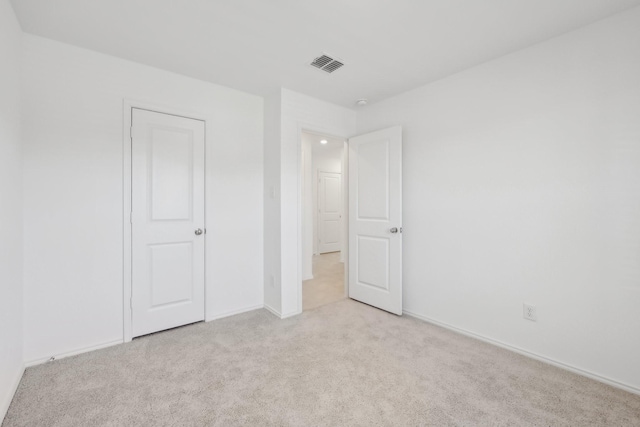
<point>529,312</point>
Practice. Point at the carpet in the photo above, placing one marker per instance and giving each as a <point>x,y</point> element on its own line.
<point>342,364</point>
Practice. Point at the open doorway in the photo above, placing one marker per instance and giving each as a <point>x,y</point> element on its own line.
<point>323,219</point>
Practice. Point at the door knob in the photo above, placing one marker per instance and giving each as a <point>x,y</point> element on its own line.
<point>198,232</point>
<point>394,230</point>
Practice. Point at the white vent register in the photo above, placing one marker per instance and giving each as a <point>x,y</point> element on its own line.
<point>327,63</point>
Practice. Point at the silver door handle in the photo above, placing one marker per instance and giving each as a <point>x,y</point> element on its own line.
<point>394,230</point>
<point>198,232</point>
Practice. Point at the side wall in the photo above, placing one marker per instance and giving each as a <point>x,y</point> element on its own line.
<point>73,160</point>
<point>522,185</point>
<point>11,287</point>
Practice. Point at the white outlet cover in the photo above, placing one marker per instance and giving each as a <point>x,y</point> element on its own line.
<point>529,312</point>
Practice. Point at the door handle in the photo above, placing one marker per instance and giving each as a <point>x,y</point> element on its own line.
<point>394,230</point>
<point>198,232</point>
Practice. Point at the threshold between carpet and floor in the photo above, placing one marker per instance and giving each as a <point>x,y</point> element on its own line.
<point>342,364</point>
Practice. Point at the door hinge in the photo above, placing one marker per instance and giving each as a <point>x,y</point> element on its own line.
<point>131,132</point>
<point>130,217</point>
<point>131,303</point>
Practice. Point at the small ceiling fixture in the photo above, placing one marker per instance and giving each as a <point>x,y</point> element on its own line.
<point>327,63</point>
<point>362,102</point>
<point>324,141</point>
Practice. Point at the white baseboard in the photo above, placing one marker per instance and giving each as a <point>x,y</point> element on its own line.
<point>575,370</point>
<point>4,406</point>
<point>234,312</point>
<point>273,311</point>
<point>307,278</point>
<point>290,314</point>
<point>77,351</point>
<point>280,315</point>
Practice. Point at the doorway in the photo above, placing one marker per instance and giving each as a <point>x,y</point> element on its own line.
<point>323,219</point>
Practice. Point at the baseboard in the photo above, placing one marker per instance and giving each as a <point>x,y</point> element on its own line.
<point>273,311</point>
<point>575,370</point>
<point>4,406</point>
<point>234,312</point>
<point>280,315</point>
<point>75,352</point>
<point>307,278</point>
<point>290,314</point>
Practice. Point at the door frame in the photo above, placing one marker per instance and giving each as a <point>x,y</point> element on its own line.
<point>344,254</point>
<point>127,266</point>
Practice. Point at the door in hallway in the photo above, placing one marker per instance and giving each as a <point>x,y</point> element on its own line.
<point>167,199</point>
<point>375,219</point>
<point>329,212</point>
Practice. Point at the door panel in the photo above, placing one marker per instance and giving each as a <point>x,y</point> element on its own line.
<point>373,262</point>
<point>375,210</point>
<point>330,212</point>
<point>373,180</point>
<point>171,174</point>
<point>167,207</point>
<point>171,280</point>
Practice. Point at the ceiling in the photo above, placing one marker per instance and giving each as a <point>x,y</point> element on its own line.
<point>333,143</point>
<point>388,46</point>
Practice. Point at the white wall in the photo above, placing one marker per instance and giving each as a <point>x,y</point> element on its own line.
<point>522,184</point>
<point>73,107</point>
<point>329,160</point>
<point>11,290</point>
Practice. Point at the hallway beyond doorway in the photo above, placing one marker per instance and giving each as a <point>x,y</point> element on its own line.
<point>327,285</point>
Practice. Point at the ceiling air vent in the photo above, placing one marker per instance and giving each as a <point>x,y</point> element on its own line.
<point>327,63</point>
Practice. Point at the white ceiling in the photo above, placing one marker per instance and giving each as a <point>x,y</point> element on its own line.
<point>314,139</point>
<point>389,46</point>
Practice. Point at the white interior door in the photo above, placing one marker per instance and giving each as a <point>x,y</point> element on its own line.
<point>167,204</point>
<point>329,212</point>
<point>375,219</point>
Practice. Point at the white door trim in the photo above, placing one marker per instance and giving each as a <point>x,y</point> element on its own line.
<point>128,105</point>
<point>344,253</point>
<point>334,133</point>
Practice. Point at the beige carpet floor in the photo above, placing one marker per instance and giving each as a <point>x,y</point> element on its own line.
<point>342,364</point>
<point>327,285</point>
